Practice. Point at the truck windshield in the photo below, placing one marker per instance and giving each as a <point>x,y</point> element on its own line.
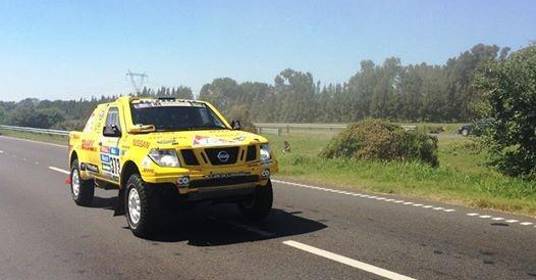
<point>175,118</point>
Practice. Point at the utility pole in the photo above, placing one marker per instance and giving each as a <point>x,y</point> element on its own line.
<point>137,80</point>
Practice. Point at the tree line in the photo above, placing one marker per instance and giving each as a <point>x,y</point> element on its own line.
<point>390,90</point>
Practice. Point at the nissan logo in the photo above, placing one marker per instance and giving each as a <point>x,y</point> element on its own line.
<point>223,156</point>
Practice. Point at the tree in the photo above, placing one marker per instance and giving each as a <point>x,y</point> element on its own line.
<point>509,92</point>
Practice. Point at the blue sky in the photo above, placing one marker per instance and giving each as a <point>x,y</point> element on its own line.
<point>73,49</point>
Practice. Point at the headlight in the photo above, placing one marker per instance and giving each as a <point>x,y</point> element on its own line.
<point>165,158</point>
<point>265,152</point>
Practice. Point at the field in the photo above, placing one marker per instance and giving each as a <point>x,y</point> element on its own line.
<point>462,177</point>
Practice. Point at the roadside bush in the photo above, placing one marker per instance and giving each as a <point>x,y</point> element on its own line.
<point>509,90</point>
<point>379,140</point>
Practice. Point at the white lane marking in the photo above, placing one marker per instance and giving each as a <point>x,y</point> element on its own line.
<point>510,221</point>
<point>347,261</point>
<point>1,152</point>
<point>59,170</point>
<point>33,141</point>
<point>375,197</point>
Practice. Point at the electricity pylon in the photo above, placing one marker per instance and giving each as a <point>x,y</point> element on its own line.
<point>137,80</point>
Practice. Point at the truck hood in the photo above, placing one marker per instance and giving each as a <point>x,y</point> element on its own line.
<point>199,139</point>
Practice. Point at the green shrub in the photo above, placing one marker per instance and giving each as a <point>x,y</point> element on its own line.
<point>378,140</point>
<point>509,88</point>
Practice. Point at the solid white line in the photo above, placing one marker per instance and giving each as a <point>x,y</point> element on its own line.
<point>34,141</point>
<point>59,170</point>
<point>347,261</point>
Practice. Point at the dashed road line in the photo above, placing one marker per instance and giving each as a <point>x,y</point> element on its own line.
<point>1,152</point>
<point>347,261</point>
<point>510,221</point>
<point>375,197</point>
<point>59,170</point>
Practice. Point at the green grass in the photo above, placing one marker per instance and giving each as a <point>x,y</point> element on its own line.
<point>462,177</point>
<point>57,139</point>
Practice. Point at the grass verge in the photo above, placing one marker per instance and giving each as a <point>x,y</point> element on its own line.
<point>462,177</point>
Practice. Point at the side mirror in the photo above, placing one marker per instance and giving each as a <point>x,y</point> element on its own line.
<point>111,131</point>
<point>235,124</point>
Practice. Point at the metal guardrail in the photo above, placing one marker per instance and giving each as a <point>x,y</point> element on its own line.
<point>35,130</point>
<point>318,128</point>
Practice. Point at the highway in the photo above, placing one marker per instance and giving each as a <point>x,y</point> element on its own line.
<point>314,232</point>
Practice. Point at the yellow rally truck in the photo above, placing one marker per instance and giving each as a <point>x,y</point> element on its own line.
<point>169,151</point>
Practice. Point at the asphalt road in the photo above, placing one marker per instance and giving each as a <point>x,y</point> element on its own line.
<point>313,233</point>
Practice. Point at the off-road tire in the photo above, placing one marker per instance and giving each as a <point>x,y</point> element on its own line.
<point>258,208</point>
<point>86,188</point>
<point>145,225</point>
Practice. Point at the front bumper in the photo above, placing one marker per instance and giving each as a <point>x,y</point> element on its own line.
<point>200,184</point>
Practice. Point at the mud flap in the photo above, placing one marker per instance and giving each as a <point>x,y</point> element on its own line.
<point>120,203</point>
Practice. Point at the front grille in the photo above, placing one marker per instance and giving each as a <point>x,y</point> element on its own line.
<point>220,156</point>
<point>251,153</point>
<point>216,182</point>
<point>189,157</point>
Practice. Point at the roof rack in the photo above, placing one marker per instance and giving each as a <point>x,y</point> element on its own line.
<point>166,98</point>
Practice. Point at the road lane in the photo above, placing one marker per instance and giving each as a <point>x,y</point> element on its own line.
<point>413,241</point>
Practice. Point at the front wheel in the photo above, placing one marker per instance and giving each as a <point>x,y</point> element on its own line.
<point>140,207</point>
<point>258,208</point>
<point>82,191</point>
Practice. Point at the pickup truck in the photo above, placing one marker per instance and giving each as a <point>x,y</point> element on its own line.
<point>161,151</point>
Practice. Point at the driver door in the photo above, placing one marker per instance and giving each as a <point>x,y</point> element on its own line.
<point>109,146</point>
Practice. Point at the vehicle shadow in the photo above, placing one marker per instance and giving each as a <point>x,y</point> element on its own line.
<point>216,225</point>
<point>221,224</point>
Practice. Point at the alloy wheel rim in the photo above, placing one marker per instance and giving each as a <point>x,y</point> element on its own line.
<point>75,183</point>
<point>134,206</point>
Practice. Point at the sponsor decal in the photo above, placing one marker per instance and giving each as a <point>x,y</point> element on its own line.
<point>211,141</point>
<point>226,175</point>
<point>111,165</point>
<point>106,167</point>
<point>105,158</point>
<point>140,143</point>
<point>167,141</point>
<point>114,151</point>
<point>88,145</point>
